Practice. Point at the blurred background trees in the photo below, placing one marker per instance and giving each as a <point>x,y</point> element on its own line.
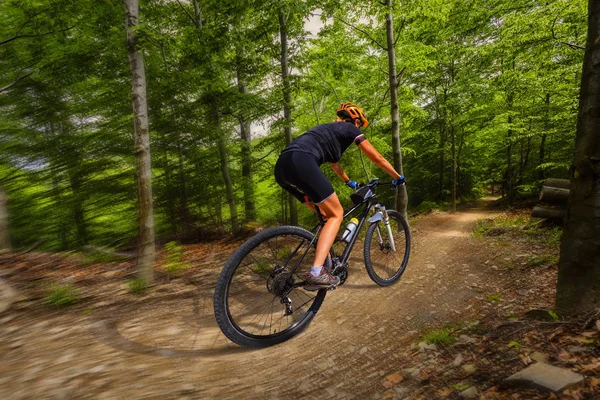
<point>487,93</point>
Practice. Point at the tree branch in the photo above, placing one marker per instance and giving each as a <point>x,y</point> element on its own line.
<point>188,14</point>
<point>365,33</point>
<point>571,45</point>
<point>5,88</point>
<point>33,36</point>
<point>399,31</point>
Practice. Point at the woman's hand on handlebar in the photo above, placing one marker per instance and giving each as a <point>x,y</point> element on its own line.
<point>399,182</point>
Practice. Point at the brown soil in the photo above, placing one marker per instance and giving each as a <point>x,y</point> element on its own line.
<point>166,344</point>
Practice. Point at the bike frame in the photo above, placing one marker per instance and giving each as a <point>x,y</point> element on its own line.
<point>368,204</point>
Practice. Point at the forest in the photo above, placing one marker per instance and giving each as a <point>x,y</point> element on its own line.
<point>486,93</point>
<point>145,245</point>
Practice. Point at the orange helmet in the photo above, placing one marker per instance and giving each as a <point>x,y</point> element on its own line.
<point>351,110</point>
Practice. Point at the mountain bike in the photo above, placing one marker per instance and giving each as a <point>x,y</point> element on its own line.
<point>261,298</point>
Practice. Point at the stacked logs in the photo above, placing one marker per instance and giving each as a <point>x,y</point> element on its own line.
<point>555,194</point>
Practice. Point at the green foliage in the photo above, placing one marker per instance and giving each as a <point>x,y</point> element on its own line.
<point>137,286</point>
<point>554,315</point>
<point>439,336</point>
<point>514,344</point>
<point>60,296</point>
<point>494,298</point>
<point>542,260</point>
<point>459,387</point>
<point>488,87</point>
<point>174,264</point>
<point>426,207</point>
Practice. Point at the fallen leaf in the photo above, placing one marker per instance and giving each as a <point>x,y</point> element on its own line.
<point>395,378</point>
<point>445,392</point>
<point>590,367</point>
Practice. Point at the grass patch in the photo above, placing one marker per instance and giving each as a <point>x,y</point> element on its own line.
<point>542,260</point>
<point>137,286</point>
<point>439,336</point>
<point>61,296</point>
<point>514,344</point>
<point>494,298</point>
<point>174,261</point>
<point>459,387</point>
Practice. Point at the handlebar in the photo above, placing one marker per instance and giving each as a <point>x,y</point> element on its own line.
<point>375,182</point>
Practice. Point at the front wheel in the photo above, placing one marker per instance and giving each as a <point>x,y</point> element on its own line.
<point>260,298</point>
<point>384,265</point>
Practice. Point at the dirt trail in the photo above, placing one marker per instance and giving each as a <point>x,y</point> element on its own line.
<point>167,345</point>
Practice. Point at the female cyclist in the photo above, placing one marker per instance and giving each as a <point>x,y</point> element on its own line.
<point>298,171</point>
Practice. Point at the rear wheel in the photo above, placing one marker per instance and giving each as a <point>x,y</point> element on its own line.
<point>384,265</point>
<point>258,301</point>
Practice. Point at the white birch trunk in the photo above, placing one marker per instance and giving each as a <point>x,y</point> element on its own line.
<point>146,249</point>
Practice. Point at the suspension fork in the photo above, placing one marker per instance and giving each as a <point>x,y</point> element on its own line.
<point>382,215</point>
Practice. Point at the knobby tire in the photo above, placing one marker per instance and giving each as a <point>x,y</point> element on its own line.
<point>259,258</point>
<point>380,258</point>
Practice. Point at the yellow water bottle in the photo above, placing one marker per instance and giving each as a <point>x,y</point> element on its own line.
<point>350,230</point>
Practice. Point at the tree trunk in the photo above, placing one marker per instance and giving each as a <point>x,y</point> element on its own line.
<point>402,196</point>
<point>197,14</point>
<point>4,232</point>
<point>509,167</point>
<point>235,227</point>
<point>578,284</point>
<point>453,140</point>
<point>287,115</point>
<point>247,180</point>
<point>541,173</point>
<point>78,209</point>
<point>145,217</point>
<point>442,166</point>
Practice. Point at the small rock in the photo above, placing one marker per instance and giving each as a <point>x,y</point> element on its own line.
<point>457,360</point>
<point>469,393</point>
<point>545,376</point>
<point>522,292</point>
<point>469,368</point>
<point>98,369</point>
<point>411,371</point>
<point>466,339</point>
<point>578,349</point>
<point>187,388</point>
<point>424,346</point>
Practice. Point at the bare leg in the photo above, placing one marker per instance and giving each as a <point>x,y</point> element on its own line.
<point>311,206</point>
<point>335,214</point>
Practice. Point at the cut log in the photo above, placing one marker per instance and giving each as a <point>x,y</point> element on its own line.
<point>554,195</point>
<point>558,183</point>
<point>548,212</point>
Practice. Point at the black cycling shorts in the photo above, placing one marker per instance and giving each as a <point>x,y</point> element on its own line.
<point>299,173</point>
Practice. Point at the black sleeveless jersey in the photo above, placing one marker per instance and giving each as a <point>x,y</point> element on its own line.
<point>327,142</point>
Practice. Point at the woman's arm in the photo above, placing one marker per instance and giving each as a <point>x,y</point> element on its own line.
<point>372,154</point>
<point>339,171</point>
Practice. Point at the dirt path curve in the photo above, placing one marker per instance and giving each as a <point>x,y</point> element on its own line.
<point>167,345</point>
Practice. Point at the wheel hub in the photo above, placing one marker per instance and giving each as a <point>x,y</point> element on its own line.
<point>385,247</point>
